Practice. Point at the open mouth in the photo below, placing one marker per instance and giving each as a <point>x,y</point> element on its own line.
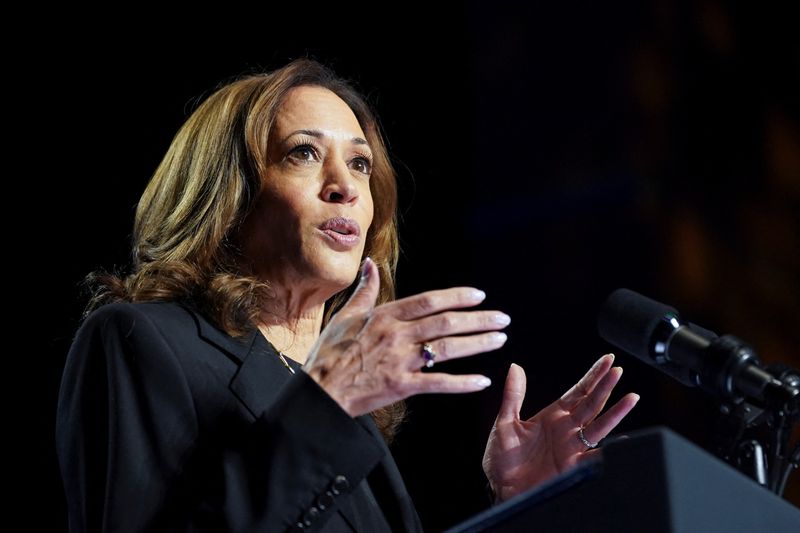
<point>342,230</point>
<point>341,226</point>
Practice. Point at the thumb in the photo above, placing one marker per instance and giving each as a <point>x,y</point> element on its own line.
<point>513,394</point>
<point>363,298</point>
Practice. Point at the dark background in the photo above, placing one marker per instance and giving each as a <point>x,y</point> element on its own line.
<point>546,155</point>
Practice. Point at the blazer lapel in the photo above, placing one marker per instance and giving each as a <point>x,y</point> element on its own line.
<point>261,374</point>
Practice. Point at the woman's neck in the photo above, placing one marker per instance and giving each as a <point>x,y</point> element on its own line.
<point>292,323</point>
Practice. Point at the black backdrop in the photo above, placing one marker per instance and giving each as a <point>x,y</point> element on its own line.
<point>547,155</point>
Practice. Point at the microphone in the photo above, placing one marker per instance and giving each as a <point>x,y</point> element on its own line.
<point>656,334</point>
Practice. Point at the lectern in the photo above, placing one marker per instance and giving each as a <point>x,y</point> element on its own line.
<point>652,482</point>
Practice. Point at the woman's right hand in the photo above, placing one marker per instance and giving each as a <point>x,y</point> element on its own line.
<point>368,357</point>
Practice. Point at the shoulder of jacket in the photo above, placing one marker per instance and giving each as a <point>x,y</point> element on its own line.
<point>162,314</point>
<point>153,308</point>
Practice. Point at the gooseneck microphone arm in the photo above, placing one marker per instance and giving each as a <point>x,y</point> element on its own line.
<point>726,367</point>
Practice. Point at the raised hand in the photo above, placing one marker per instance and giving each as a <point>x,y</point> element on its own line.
<point>522,454</point>
<point>368,357</point>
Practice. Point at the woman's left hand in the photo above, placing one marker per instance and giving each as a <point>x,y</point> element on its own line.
<point>522,454</point>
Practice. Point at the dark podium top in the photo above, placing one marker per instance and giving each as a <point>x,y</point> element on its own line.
<point>655,482</point>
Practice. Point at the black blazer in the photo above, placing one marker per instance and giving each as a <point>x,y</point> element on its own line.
<point>166,423</point>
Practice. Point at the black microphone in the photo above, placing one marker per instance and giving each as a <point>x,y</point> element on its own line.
<point>655,333</point>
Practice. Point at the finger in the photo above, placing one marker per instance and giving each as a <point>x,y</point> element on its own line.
<point>456,347</point>
<point>431,302</point>
<point>585,411</point>
<point>588,382</point>
<point>456,322</point>
<point>589,454</point>
<point>449,383</point>
<point>603,425</point>
<point>363,298</point>
<point>513,394</point>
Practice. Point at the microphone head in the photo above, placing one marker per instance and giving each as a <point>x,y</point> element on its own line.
<point>628,320</point>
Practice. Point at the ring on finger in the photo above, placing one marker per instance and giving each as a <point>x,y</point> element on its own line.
<point>428,354</point>
<point>586,441</point>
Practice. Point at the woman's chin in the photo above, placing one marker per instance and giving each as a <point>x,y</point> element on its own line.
<point>338,274</point>
<point>342,266</point>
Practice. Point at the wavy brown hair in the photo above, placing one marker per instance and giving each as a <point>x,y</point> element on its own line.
<point>189,216</point>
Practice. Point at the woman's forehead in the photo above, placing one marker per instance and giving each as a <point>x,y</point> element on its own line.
<point>309,108</point>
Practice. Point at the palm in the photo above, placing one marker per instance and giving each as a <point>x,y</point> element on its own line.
<point>522,454</point>
<point>529,452</point>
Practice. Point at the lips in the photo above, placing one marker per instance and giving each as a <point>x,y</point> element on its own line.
<point>342,225</point>
<point>342,230</point>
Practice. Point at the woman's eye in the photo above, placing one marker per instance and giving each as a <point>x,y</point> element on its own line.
<point>304,152</point>
<point>363,165</point>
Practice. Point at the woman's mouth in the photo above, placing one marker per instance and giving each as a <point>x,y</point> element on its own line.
<point>342,230</point>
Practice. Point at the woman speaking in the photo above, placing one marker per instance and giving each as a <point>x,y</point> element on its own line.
<point>249,372</point>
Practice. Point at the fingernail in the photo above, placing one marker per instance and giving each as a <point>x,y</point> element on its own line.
<point>482,381</point>
<point>499,338</point>
<point>600,361</point>
<point>501,319</point>
<point>365,269</point>
<point>477,295</point>
<point>636,396</point>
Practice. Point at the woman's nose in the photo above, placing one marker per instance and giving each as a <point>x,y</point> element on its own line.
<point>340,186</point>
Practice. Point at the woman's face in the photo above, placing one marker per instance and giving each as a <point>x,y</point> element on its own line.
<point>308,228</point>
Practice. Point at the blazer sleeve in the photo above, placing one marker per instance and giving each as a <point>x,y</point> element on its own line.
<point>127,427</point>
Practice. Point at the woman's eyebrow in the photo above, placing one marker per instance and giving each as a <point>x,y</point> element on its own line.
<point>318,134</point>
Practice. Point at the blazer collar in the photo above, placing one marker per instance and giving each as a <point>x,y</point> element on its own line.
<point>238,347</point>
<point>261,373</point>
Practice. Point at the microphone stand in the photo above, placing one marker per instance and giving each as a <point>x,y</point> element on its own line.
<point>755,438</point>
